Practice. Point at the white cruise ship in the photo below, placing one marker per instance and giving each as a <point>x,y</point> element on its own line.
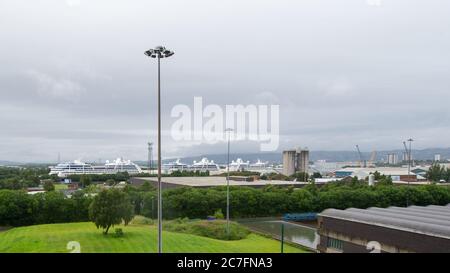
<point>204,165</point>
<point>259,165</point>
<point>78,167</point>
<point>175,166</point>
<point>239,165</point>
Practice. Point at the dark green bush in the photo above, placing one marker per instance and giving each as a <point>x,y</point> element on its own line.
<point>213,229</point>
<point>118,232</point>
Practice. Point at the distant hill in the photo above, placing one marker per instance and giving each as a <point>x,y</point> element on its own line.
<point>331,156</point>
<point>9,163</point>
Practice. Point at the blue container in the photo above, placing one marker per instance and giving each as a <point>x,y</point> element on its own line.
<point>307,216</point>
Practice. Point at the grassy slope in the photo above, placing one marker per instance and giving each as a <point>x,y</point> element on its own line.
<point>137,238</point>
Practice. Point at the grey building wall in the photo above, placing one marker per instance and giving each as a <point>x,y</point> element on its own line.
<point>355,236</point>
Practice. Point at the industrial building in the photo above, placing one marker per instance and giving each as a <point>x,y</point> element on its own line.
<point>394,230</point>
<point>212,181</point>
<point>396,173</point>
<point>295,161</point>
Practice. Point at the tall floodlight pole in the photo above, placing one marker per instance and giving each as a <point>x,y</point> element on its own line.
<point>228,130</point>
<point>159,52</point>
<point>409,157</point>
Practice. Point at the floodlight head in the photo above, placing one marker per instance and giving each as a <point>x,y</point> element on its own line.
<point>160,52</point>
<point>160,48</point>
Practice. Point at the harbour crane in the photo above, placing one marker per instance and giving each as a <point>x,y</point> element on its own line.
<point>406,151</point>
<point>408,154</point>
<point>362,162</point>
<point>373,158</point>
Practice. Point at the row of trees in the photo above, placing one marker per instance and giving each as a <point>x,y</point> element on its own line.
<point>18,208</point>
<point>23,177</point>
<point>273,201</point>
<point>298,176</point>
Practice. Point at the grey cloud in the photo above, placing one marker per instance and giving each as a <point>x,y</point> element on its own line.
<point>74,79</point>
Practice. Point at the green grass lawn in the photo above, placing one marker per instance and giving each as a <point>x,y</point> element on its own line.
<point>61,187</point>
<point>137,238</point>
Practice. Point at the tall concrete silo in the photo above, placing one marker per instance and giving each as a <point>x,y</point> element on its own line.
<point>289,162</point>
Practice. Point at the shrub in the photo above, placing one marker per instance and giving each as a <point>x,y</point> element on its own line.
<point>213,229</point>
<point>218,214</point>
<point>118,232</point>
<point>141,220</point>
<point>48,185</point>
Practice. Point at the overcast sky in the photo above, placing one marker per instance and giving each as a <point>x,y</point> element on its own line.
<point>74,78</point>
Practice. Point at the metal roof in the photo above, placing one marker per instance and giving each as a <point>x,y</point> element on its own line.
<point>211,181</point>
<point>430,220</point>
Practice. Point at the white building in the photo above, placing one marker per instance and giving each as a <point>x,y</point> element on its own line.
<point>396,173</point>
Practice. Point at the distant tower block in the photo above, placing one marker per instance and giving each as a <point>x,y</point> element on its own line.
<point>150,155</point>
<point>392,159</point>
<point>405,157</point>
<point>437,157</point>
<point>295,161</point>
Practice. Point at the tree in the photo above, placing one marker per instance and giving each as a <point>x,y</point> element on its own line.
<point>85,180</point>
<point>11,184</point>
<point>149,204</point>
<point>447,175</point>
<point>16,208</point>
<point>52,208</point>
<point>436,172</point>
<point>48,185</point>
<point>300,176</point>
<point>355,181</point>
<point>377,175</point>
<point>146,187</point>
<point>218,214</point>
<point>109,208</point>
<point>385,180</point>
<point>110,182</point>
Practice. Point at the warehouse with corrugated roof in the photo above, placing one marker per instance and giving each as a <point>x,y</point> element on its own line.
<point>393,229</point>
